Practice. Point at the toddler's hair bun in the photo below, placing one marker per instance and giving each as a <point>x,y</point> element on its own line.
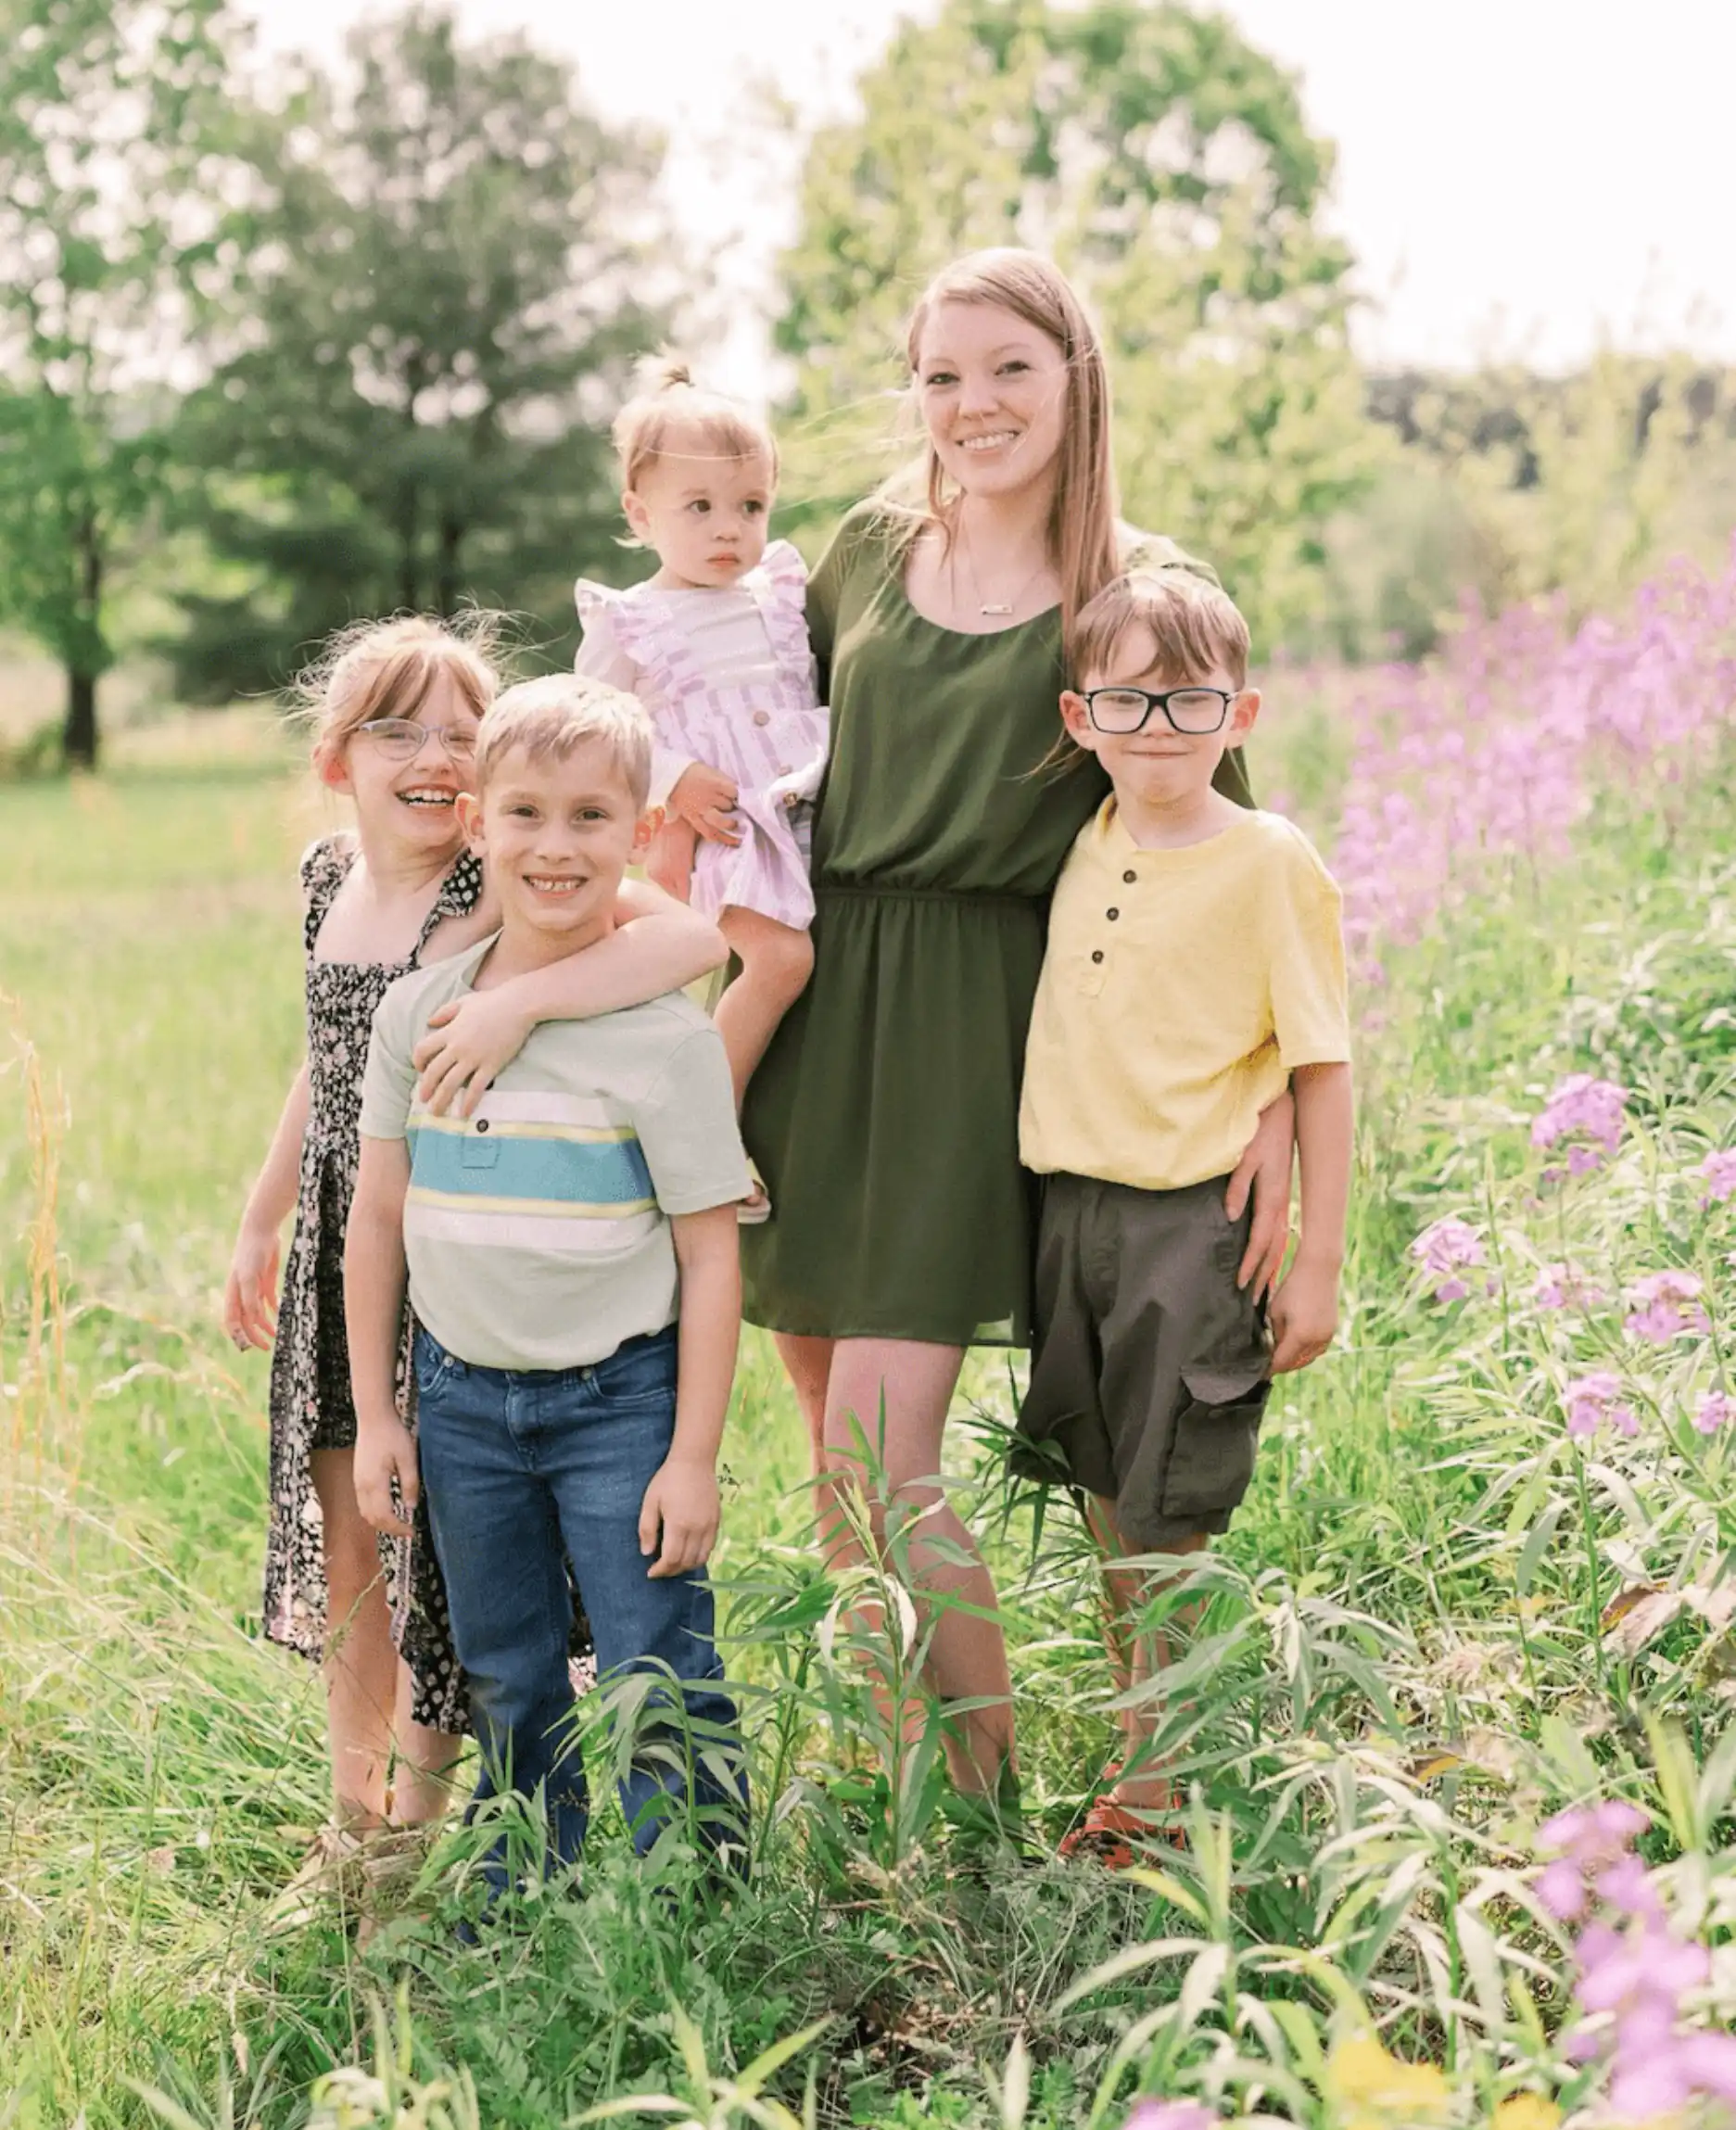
<point>668,375</point>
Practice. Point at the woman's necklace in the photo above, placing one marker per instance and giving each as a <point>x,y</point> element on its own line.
<point>996,608</point>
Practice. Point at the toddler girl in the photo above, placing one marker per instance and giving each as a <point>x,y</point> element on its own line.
<point>396,707</point>
<point>716,647</point>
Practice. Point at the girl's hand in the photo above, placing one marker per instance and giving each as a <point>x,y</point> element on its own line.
<point>469,1040</point>
<point>706,798</point>
<point>250,1293</point>
<point>1266,1169</point>
<point>1304,1314</point>
<point>386,1449</point>
<point>669,861</point>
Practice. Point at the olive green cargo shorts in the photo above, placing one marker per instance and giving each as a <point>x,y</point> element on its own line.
<point>1150,1368</point>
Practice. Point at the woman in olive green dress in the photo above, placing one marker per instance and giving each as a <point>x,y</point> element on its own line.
<point>884,1117</point>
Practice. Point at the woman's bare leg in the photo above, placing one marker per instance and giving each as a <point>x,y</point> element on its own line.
<point>776,961</point>
<point>807,1363</point>
<point>898,1392</point>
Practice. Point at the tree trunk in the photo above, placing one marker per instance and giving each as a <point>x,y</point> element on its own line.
<point>446,587</point>
<point>78,741</point>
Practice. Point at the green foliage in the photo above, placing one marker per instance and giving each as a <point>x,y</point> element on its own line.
<point>1165,162</point>
<point>114,127</point>
<point>447,282</point>
<point>1434,1622</point>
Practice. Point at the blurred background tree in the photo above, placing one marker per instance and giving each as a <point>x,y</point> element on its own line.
<point>447,288</point>
<point>1166,164</point>
<point>116,132</point>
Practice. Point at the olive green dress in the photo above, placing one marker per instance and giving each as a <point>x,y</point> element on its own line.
<point>885,1116</point>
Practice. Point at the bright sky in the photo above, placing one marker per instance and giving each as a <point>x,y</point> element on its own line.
<point>1521,177</point>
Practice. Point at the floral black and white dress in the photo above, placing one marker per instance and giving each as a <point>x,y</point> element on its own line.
<point>310,1405</point>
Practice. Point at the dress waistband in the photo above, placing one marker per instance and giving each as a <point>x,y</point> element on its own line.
<point>976,899</point>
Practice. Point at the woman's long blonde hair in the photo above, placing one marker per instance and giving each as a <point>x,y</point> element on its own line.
<point>1083,547</point>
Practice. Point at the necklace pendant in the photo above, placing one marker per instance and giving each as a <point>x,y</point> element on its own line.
<point>998,608</point>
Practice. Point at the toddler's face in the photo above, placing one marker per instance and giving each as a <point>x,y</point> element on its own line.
<point>1156,764</point>
<point>705,517</point>
<point>406,773</point>
<point>556,836</point>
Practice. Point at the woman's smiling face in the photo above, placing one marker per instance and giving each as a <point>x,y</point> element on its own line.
<point>993,389</point>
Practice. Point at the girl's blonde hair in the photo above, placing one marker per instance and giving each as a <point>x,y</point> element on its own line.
<point>1082,521</point>
<point>671,415</point>
<point>385,669</point>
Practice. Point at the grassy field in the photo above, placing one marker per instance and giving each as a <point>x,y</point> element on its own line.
<point>1441,1618</point>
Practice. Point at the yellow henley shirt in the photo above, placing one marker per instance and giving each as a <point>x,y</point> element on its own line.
<point>1180,990</point>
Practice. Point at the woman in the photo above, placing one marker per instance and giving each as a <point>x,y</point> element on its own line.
<point>884,1116</point>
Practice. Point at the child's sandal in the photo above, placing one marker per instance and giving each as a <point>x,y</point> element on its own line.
<point>1109,1831</point>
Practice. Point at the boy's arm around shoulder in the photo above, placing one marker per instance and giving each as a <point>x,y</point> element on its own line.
<point>374,1280</point>
<point>658,945</point>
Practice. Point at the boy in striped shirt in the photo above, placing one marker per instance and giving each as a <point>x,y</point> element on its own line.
<point>570,1254</point>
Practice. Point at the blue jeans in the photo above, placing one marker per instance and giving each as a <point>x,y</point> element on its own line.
<point>526,1471</point>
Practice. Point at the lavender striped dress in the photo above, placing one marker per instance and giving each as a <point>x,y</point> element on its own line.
<point>728,679</point>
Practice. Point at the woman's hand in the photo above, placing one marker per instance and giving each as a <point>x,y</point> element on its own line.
<point>469,1040</point>
<point>250,1293</point>
<point>1266,1169</point>
<point>704,798</point>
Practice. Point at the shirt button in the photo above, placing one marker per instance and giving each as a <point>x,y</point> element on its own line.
<point>783,770</point>
<point>482,1123</point>
<point>1096,954</point>
<point>1130,878</point>
<point>1113,915</point>
<point>761,716</point>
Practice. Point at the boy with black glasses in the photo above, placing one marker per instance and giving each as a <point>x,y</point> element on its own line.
<point>1195,966</point>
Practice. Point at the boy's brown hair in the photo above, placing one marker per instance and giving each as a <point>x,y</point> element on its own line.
<point>1196,627</point>
<point>548,718</point>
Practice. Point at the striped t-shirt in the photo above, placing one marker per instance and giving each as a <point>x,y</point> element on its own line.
<point>536,1232</point>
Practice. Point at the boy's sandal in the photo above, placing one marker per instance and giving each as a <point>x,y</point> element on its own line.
<point>754,1208</point>
<point>1109,1831</point>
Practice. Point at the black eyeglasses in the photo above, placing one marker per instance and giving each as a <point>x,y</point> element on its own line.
<point>404,738</point>
<point>1194,711</point>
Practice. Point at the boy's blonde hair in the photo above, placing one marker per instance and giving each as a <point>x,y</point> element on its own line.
<point>1198,627</point>
<point>548,718</point>
<point>1083,529</point>
<point>672,417</point>
<point>386,668</point>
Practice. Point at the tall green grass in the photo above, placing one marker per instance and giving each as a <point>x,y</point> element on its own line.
<point>1412,1647</point>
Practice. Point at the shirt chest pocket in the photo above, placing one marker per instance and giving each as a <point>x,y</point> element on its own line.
<point>478,1150</point>
<point>1084,971</point>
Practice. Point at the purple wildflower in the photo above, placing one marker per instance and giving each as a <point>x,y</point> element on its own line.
<point>1594,1398</point>
<point>1561,1285</point>
<point>1716,1411</point>
<point>1444,1248</point>
<point>1171,2115</point>
<point>1586,1113</point>
<point>1719,1170</point>
<point>1668,1307</point>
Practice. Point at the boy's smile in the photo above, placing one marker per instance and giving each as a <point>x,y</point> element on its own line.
<point>1158,770</point>
<point>556,835</point>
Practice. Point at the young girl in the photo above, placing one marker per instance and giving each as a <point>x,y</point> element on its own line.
<point>396,706</point>
<point>716,647</point>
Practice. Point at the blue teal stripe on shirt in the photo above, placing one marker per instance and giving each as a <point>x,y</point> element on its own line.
<point>565,1170</point>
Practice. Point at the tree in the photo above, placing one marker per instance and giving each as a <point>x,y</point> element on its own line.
<point>1164,162</point>
<point>451,275</point>
<point>113,127</point>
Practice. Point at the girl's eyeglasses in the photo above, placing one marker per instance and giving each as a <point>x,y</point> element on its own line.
<point>404,738</point>
<point>1195,711</point>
